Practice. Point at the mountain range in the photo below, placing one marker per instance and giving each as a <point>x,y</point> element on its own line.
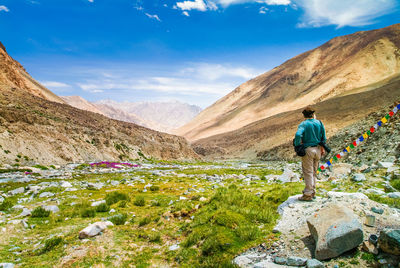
<point>38,126</point>
<point>345,79</point>
<point>161,116</point>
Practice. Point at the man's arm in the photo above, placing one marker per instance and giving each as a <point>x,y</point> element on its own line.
<point>323,139</point>
<point>299,135</point>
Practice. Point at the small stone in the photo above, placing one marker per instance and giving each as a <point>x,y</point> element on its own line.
<point>313,263</point>
<point>359,177</point>
<point>25,212</point>
<point>296,261</point>
<point>377,210</point>
<point>94,229</point>
<point>96,203</point>
<point>65,184</point>
<point>203,199</point>
<point>46,194</point>
<point>52,208</point>
<point>385,164</point>
<point>267,264</point>
<point>174,247</point>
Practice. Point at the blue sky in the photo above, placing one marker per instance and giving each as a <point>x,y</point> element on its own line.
<point>194,51</point>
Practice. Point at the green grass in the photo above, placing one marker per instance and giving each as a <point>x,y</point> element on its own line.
<point>41,167</point>
<point>40,212</point>
<point>6,205</point>
<point>118,219</point>
<point>51,243</point>
<point>103,207</point>
<point>139,201</point>
<point>385,200</point>
<point>396,184</point>
<point>115,197</point>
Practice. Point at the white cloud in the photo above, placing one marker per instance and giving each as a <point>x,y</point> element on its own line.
<point>155,17</point>
<point>54,84</point>
<point>343,13</point>
<point>186,13</point>
<point>204,5</point>
<point>4,8</point>
<point>91,1</point>
<point>263,10</point>
<point>199,79</point>
<point>189,5</point>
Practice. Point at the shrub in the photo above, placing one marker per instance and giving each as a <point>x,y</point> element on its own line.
<point>41,167</point>
<point>114,197</point>
<point>396,184</point>
<point>103,207</point>
<point>155,237</point>
<point>82,166</point>
<point>144,221</point>
<point>154,188</point>
<point>40,212</point>
<point>139,201</point>
<point>6,205</point>
<point>88,213</point>
<point>118,219</point>
<point>215,243</point>
<point>122,204</point>
<point>51,243</point>
<point>248,233</point>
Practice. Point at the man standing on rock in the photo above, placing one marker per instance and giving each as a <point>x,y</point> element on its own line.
<point>310,133</point>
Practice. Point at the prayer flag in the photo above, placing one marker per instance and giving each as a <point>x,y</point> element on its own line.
<point>348,148</point>
<point>384,120</point>
<point>391,113</point>
<point>380,123</point>
<point>395,110</point>
<point>387,116</point>
<point>335,158</point>
<point>361,138</point>
<point>320,169</point>
<point>354,143</point>
<point>369,132</point>
<point>372,129</point>
<point>398,106</point>
<point>351,146</point>
<point>338,156</point>
<point>341,154</point>
<point>328,163</point>
<point>365,135</point>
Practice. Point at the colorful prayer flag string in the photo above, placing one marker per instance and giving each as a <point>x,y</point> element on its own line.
<point>362,138</point>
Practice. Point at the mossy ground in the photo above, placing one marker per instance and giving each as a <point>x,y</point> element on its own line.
<point>235,216</point>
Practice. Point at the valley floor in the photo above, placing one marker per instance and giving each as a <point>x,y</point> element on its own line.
<point>174,214</point>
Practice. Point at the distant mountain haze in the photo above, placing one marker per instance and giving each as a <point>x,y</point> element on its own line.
<point>345,65</point>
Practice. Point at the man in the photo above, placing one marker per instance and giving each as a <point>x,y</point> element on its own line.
<point>310,132</point>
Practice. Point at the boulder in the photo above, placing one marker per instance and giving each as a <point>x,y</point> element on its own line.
<point>46,194</point>
<point>242,261</point>
<point>19,190</point>
<point>268,264</point>
<point>385,164</point>
<point>395,195</point>
<point>288,176</point>
<point>6,265</point>
<point>359,177</point>
<point>65,184</point>
<point>94,229</point>
<point>296,261</point>
<point>389,241</point>
<point>335,230</point>
<point>25,212</point>
<point>52,208</point>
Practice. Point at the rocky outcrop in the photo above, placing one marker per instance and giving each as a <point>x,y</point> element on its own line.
<point>94,229</point>
<point>335,230</point>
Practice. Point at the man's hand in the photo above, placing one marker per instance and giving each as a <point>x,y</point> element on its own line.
<point>322,151</point>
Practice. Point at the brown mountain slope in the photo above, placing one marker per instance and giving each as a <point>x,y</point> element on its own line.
<point>274,135</point>
<point>51,133</point>
<point>14,75</point>
<point>36,126</point>
<point>81,103</point>
<point>364,60</point>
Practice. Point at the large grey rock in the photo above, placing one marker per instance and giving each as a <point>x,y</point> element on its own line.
<point>288,176</point>
<point>242,261</point>
<point>268,264</point>
<point>19,190</point>
<point>6,265</point>
<point>94,229</point>
<point>395,195</point>
<point>52,208</point>
<point>96,203</point>
<point>335,230</point>
<point>385,164</point>
<point>46,194</point>
<point>296,261</point>
<point>389,241</point>
<point>65,184</point>
<point>25,212</point>
<point>359,177</point>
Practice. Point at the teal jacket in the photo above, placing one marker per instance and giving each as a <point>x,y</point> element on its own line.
<point>311,132</point>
